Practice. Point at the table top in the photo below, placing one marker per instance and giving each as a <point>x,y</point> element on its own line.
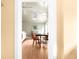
<point>41,35</point>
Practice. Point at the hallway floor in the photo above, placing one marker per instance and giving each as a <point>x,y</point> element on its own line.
<point>30,51</point>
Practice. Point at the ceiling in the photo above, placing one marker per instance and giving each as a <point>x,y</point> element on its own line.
<point>34,0</point>
<point>32,11</point>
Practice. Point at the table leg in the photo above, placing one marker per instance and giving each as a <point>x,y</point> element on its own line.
<point>40,41</point>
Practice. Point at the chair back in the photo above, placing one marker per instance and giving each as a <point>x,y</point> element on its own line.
<point>33,36</point>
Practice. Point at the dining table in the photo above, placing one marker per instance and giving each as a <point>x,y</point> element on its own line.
<point>41,35</point>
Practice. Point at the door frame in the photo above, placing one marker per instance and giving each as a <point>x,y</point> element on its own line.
<point>52,24</point>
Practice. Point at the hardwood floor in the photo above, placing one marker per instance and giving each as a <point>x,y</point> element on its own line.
<point>33,52</point>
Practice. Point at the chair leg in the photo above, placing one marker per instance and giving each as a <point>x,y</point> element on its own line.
<point>36,42</point>
<point>39,43</point>
<point>33,42</point>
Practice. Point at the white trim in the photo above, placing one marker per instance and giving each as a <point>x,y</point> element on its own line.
<point>18,29</point>
<point>52,13</point>
<point>52,28</point>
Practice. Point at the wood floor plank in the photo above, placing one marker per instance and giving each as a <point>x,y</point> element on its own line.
<point>30,51</point>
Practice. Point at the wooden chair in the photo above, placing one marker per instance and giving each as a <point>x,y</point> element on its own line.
<point>35,38</point>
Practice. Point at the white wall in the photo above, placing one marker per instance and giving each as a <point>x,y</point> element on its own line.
<point>69,8</point>
<point>40,28</point>
<point>27,27</point>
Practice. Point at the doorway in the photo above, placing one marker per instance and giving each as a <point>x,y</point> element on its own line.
<point>51,14</point>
